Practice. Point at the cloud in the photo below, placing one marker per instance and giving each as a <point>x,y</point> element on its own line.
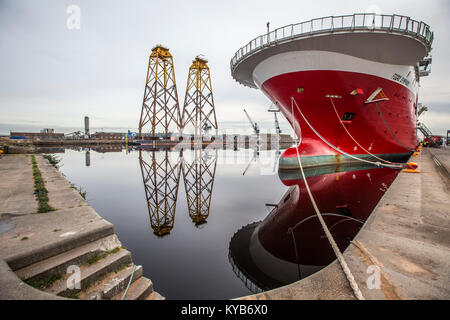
<point>56,76</point>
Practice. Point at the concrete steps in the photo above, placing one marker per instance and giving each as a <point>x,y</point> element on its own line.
<point>139,290</point>
<point>155,296</point>
<point>105,271</point>
<point>91,273</point>
<point>41,249</point>
<point>112,284</point>
<point>49,243</point>
<point>58,264</point>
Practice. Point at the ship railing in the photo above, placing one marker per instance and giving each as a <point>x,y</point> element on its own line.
<point>357,22</point>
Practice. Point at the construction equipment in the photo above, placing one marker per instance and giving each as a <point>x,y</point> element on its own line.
<point>254,124</point>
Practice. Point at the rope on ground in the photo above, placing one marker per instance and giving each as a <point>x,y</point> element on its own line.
<point>330,238</point>
<point>379,164</point>
<point>349,134</point>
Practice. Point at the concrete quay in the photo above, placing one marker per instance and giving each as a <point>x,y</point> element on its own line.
<point>42,250</point>
<point>403,249</point>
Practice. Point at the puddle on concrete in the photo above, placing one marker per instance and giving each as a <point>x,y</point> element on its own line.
<point>5,227</point>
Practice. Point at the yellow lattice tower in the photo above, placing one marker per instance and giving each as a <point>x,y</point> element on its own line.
<point>199,114</point>
<point>160,107</point>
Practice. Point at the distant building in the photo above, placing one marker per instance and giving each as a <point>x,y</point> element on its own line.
<point>86,126</point>
<point>45,134</point>
<point>107,136</point>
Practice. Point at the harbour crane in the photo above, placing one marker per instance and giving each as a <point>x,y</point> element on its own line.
<point>277,125</point>
<point>275,110</point>
<point>254,124</point>
<point>256,152</point>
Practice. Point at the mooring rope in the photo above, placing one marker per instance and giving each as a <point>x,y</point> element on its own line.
<point>349,134</point>
<point>330,238</point>
<point>394,166</point>
<point>389,128</point>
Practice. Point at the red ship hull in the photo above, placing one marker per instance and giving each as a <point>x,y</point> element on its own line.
<point>386,128</point>
<point>353,78</point>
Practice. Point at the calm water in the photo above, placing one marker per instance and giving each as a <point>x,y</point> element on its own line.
<point>197,220</point>
<point>190,261</point>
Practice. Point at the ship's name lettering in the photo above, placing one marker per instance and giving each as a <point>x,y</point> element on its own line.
<point>400,78</point>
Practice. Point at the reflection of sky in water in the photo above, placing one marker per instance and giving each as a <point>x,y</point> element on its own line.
<point>191,261</point>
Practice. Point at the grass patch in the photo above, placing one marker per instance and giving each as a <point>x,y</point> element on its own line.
<point>24,238</point>
<point>121,267</point>
<point>56,230</point>
<point>54,161</point>
<point>39,189</point>
<point>82,193</point>
<point>74,296</point>
<point>80,190</point>
<point>44,284</point>
<point>103,255</point>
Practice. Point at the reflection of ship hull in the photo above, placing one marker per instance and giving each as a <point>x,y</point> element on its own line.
<point>290,244</point>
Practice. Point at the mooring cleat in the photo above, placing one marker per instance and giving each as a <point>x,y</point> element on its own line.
<point>411,170</point>
<point>411,165</point>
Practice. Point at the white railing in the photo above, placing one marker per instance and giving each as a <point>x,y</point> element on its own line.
<point>356,22</point>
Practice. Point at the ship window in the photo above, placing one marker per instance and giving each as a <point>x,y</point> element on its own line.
<point>300,89</point>
<point>348,116</point>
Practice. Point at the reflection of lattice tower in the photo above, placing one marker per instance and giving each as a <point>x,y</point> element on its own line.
<point>160,107</point>
<point>199,114</point>
<point>198,176</point>
<point>161,179</point>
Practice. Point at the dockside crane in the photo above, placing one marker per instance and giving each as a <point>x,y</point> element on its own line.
<point>254,124</point>
<point>277,125</point>
<point>256,152</point>
<point>275,110</point>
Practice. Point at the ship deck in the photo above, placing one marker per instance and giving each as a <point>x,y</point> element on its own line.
<point>404,41</point>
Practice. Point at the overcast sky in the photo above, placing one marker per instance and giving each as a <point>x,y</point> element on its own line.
<point>51,76</point>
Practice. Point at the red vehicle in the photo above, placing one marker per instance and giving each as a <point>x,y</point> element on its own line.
<point>434,141</point>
